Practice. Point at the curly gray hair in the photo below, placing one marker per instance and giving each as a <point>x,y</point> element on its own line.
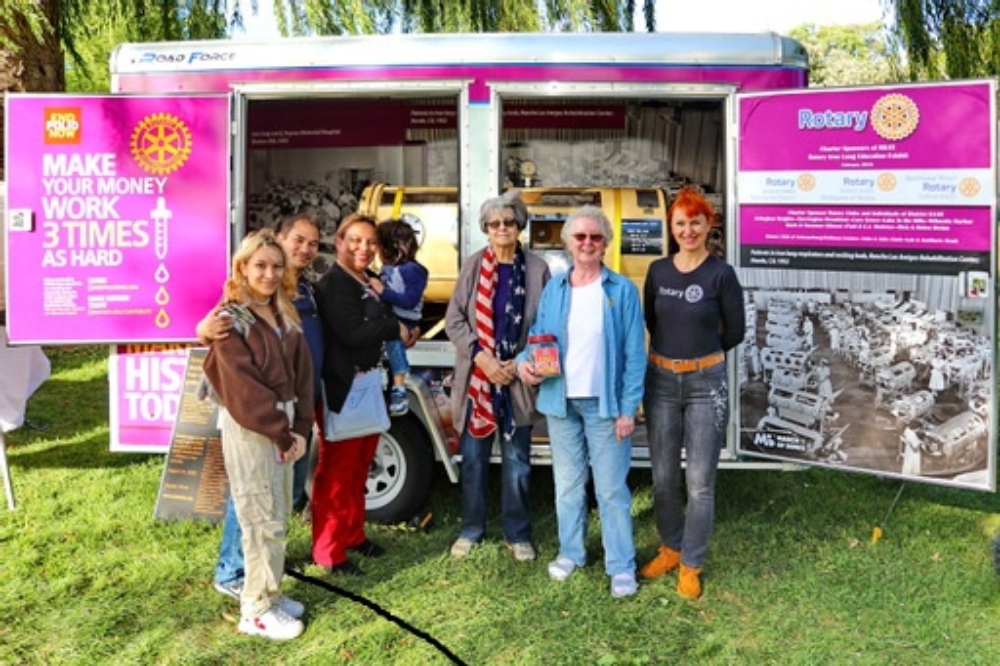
<point>508,200</point>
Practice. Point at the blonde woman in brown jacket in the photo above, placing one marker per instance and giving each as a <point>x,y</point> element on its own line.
<point>263,378</point>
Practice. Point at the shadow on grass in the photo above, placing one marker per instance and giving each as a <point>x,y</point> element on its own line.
<point>88,452</point>
<point>67,359</point>
<point>67,426</point>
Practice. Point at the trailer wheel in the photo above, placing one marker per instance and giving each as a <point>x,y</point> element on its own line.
<point>401,473</point>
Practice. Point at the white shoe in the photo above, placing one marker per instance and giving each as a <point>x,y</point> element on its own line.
<point>522,551</point>
<point>561,568</point>
<point>462,547</point>
<point>273,623</point>
<point>623,585</point>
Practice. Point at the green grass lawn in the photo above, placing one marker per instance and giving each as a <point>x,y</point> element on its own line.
<point>87,576</point>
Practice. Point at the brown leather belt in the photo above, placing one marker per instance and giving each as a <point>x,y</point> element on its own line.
<point>682,365</point>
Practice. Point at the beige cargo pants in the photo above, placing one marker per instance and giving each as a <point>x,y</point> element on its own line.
<point>262,495</point>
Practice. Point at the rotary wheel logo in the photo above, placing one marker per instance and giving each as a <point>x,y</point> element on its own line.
<point>806,182</point>
<point>886,181</point>
<point>161,143</point>
<point>895,116</point>
<point>969,187</point>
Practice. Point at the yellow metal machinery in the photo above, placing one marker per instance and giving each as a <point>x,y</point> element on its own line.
<point>637,215</point>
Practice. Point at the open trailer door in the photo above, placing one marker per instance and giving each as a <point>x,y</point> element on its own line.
<point>867,249</point>
<point>117,226</point>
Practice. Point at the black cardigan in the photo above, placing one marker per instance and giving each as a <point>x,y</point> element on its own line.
<point>355,324</point>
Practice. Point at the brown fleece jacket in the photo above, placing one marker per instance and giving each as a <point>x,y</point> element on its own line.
<point>252,373</point>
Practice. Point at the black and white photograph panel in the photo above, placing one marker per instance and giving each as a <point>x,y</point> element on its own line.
<point>886,373</point>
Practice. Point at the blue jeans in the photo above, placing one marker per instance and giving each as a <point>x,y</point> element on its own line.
<point>583,438</point>
<point>395,353</point>
<point>516,477</point>
<point>686,411</point>
<point>300,474</point>
<point>229,567</point>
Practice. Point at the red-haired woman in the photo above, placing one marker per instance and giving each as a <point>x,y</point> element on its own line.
<point>694,314</point>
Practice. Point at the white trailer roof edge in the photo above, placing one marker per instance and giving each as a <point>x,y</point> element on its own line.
<point>751,49</point>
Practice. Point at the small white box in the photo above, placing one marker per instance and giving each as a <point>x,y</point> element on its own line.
<point>20,219</point>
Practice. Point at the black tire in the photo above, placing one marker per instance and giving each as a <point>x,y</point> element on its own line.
<point>401,473</point>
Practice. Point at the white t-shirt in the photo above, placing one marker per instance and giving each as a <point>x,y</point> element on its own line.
<point>585,347</point>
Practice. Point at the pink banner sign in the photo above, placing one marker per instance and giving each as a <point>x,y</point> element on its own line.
<point>146,382</point>
<point>118,216</point>
<point>909,127</point>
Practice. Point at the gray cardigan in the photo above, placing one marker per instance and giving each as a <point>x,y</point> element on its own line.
<point>461,329</point>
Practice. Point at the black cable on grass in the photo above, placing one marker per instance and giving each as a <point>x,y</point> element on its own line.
<point>996,554</point>
<point>378,610</point>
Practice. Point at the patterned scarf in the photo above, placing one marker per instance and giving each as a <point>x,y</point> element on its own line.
<point>492,405</point>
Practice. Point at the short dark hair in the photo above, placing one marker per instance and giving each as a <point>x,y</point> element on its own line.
<point>309,217</point>
<point>398,240</point>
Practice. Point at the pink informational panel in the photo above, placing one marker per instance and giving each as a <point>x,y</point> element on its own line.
<point>867,254</point>
<point>117,216</point>
<point>146,381</point>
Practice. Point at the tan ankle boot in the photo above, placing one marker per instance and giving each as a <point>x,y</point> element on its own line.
<point>666,560</point>
<point>689,582</point>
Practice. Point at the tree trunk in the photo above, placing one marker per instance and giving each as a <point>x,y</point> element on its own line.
<point>36,66</point>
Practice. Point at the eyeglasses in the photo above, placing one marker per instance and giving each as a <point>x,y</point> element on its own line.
<point>594,238</point>
<point>507,222</point>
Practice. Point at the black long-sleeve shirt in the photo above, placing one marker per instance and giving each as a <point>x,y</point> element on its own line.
<point>690,315</point>
<point>355,324</point>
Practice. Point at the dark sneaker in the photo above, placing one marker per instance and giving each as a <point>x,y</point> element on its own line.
<point>290,606</point>
<point>399,403</point>
<point>345,568</point>
<point>368,548</point>
<point>231,588</point>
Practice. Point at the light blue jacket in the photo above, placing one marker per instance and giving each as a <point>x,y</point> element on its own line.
<point>624,345</point>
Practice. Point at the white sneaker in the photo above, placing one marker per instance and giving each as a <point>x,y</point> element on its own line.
<point>522,551</point>
<point>273,623</point>
<point>294,608</point>
<point>462,547</point>
<point>561,568</point>
<point>623,585</point>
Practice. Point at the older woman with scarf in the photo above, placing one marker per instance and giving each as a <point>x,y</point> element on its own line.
<point>495,298</point>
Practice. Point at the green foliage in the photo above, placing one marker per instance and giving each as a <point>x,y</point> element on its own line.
<point>23,16</point>
<point>953,39</point>
<point>792,577</point>
<point>842,55</point>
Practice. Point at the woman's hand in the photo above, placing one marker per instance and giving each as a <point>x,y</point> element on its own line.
<point>624,427</point>
<point>215,326</point>
<point>498,372</point>
<point>297,450</point>
<point>526,371</point>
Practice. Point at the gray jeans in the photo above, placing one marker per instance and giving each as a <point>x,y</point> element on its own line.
<point>688,411</point>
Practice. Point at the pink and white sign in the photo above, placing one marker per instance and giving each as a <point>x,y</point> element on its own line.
<point>117,222</point>
<point>146,382</point>
<point>873,179</point>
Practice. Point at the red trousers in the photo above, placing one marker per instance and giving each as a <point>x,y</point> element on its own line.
<point>338,498</point>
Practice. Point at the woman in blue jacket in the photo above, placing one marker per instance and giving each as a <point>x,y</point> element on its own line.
<point>596,317</point>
